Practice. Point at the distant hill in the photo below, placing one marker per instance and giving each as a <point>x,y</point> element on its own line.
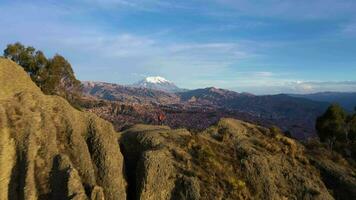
<point>345,99</point>
<point>158,83</point>
<point>290,113</point>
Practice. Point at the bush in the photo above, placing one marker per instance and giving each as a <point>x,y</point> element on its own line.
<point>236,183</point>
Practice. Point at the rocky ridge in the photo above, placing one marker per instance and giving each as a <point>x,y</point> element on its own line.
<point>49,150</point>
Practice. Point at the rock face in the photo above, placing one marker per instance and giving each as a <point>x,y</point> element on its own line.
<point>49,150</point>
<point>231,160</point>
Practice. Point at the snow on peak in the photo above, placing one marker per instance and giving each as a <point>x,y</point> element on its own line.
<point>156,79</point>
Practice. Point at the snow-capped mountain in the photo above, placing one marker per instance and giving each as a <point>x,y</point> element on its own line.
<point>158,83</point>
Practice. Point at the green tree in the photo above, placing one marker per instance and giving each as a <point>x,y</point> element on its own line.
<point>31,60</point>
<point>54,76</point>
<point>332,126</point>
<point>352,131</point>
<point>58,78</point>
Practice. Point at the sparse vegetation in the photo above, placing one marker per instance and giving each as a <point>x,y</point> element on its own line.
<point>275,130</point>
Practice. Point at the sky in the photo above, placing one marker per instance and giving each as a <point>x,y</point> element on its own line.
<point>256,46</point>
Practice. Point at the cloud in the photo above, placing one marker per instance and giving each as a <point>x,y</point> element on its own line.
<point>301,9</point>
<point>297,87</point>
<point>101,48</point>
<point>350,29</point>
<point>330,86</point>
<point>264,74</point>
<point>140,5</point>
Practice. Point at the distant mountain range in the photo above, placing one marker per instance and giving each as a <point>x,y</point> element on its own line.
<point>128,94</point>
<point>202,107</point>
<point>158,83</point>
<point>345,99</point>
<point>199,108</point>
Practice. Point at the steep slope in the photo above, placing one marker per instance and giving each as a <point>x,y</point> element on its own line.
<point>49,150</point>
<point>231,160</point>
<point>158,83</point>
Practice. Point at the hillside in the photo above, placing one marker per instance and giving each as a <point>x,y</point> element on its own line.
<point>345,99</point>
<point>296,115</point>
<point>230,160</point>
<point>49,150</point>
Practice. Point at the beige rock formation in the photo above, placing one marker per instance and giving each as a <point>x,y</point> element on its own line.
<point>232,160</point>
<point>49,150</point>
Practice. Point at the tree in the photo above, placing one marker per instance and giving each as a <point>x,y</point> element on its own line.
<point>27,57</point>
<point>332,126</point>
<point>58,78</point>
<point>352,125</point>
<point>54,76</point>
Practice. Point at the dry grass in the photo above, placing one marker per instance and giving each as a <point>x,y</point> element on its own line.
<point>13,79</point>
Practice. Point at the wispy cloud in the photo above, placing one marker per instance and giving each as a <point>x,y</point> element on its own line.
<point>141,5</point>
<point>295,87</point>
<point>314,86</point>
<point>350,29</point>
<point>301,9</point>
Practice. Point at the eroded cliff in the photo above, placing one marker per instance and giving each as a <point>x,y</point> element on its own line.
<point>49,150</point>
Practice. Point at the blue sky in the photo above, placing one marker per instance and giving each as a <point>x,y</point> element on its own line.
<point>258,46</point>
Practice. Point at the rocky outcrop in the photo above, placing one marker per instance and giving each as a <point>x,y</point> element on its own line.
<point>49,150</point>
<point>231,160</point>
<point>152,167</point>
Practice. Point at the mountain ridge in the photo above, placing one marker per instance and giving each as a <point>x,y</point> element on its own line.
<point>158,83</point>
<point>345,99</point>
<point>296,115</point>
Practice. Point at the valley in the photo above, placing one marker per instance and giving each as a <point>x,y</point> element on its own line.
<point>201,108</point>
